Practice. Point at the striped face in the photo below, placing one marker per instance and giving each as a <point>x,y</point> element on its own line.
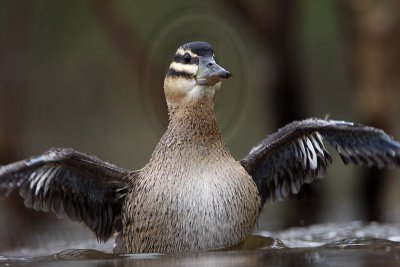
<point>185,64</point>
<point>193,73</point>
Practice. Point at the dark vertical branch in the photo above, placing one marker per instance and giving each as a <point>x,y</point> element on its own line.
<point>275,26</point>
<point>287,94</point>
<point>288,101</point>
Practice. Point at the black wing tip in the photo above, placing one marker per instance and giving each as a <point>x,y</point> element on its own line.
<point>366,146</point>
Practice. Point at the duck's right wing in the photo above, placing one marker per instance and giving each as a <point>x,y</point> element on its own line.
<point>295,155</point>
<point>69,184</point>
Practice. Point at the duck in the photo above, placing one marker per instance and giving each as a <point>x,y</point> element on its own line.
<point>192,194</point>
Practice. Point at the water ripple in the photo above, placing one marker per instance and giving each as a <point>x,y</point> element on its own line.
<point>350,244</point>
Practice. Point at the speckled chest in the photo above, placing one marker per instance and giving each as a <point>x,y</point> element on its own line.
<point>196,201</point>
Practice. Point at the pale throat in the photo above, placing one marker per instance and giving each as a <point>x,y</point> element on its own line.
<point>200,91</point>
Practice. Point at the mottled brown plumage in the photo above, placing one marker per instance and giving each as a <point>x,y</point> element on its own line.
<point>192,194</point>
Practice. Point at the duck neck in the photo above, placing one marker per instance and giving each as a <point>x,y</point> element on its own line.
<point>194,121</point>
<point>192,128</point>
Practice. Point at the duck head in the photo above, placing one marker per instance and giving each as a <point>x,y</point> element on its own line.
<point>193,75</point>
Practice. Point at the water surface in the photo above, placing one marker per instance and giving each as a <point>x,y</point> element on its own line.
<point>346,244</point>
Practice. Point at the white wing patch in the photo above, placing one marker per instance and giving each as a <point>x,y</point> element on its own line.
<point>303,152</point>
<point>309,148</point>
<point>316,145</point>
<point>312,156</point>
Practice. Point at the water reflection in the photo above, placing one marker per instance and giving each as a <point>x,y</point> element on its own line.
<point>350,244</point>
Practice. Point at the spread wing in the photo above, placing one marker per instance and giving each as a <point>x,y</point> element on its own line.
<point>295,155</point>
<point>69,184</point>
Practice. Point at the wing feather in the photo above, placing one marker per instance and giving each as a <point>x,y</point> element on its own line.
<point>70,184</point>
<point>295,155</point>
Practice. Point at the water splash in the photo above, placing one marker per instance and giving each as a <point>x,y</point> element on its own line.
<point>324,234</point>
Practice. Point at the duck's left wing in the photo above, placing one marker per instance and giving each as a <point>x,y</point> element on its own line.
<point>295,155</point>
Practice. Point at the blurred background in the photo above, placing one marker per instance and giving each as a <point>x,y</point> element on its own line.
<point>89,75</point>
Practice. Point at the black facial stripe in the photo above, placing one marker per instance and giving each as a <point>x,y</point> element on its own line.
<point>180,59</point>
<point>174,73</point>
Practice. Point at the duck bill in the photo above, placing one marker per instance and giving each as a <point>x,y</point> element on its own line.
<point>210,72</point>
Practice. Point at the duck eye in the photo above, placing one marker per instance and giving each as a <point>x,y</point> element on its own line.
<point>187,57</point>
